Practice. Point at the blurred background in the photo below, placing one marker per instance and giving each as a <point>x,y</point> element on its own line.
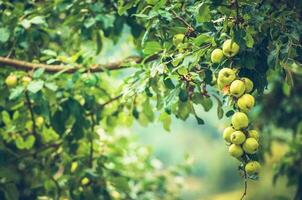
<point>214,174</point>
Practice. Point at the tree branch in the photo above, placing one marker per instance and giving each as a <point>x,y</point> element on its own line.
<point>183,21</point>
<point>28,66</point>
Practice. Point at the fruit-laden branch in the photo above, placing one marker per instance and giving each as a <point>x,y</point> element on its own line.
<point>28,66</point>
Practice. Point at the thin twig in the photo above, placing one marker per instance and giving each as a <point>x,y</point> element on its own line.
<point>57,197</point>
<point>236,3</point>
<point>182,20</point>
<point>29,105</point>
<point>111,100</point>
<point>91,140</point>
<point>245,186</point>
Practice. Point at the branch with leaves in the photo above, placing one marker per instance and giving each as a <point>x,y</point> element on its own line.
<point>28,66</point>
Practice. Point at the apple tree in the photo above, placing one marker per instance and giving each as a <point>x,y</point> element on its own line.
<point>61,104</point>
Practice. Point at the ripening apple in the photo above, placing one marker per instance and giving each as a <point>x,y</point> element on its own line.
<point>250,146</point>
<point>235,151</point>
<point>237,88</point>
<point>246,102</point>
<point>238,137</point>
<point>178,38</point>
<point>227,133</point>
<point>230,48</point>
<point>216,56</point>
<point>11,80</point>
<point>226,76</point>
<point>240,120</point>
<point>249,85</point>
<point>253,134</point>
<point>39,121</point>
<point>26,80</point>
<point>253,167</point>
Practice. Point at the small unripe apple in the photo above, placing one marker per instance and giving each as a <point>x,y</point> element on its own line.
<point>39,121</point>
<point>230,48</point>
<point>246,102</point>
<point>227,133</point>
<point>178,38</point>
<point>238,137</point>
<point>250,146</point>
<point>240,120</point>
<point>253,134</point>
<point>26,80</point>
<point>253,167</point>
<point>74,166</point>
<point>216,56</point>
<point>226,76</point>
<point>235,151</point>
<point>85,181</point>
<point>249,85</point>
<point>11,81</point>
<point>237,88</point>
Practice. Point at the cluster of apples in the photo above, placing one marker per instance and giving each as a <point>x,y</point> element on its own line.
<point>12,80</point>
<point>243,141</point>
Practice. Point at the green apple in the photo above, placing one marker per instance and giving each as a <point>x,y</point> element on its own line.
<point>74,166</point>
<point>11,81</point>
<point>39,121</point>
<point>227,133</point>
<point>252,167</point>
<point>238,137</point>
<point>230,48</point>
<point>226,76</point>
<point>85,181</point>
<point>178,38</point>
<point>250,146</point>
<point>26,80</point>
<point>216,56</point>
<point>253,134</point>
<point>235,151</point>
<point>240,120</point>
<point>237,88</point>
<point>246,102</point>
<point>249,85</point>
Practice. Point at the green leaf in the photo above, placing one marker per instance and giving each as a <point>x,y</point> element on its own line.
<point>152,47</point>
<point>165,118</point>
<point>35,86</point>
<point>38,73</point>
<point>4,35</point>
<point>199,120</point>
<point>11,192</point>
<point>6,118</point>
<point>16,92</point>
<point>29,142</point>
<point>183,95</point>
<point>202,39</point>
<point>51,86</point>
<point>204,14</point>
<point>38,20</point>
<point>249,41</point>
<point>184,109</point>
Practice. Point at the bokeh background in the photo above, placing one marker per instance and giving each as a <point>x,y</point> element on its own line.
<point>214,174</point>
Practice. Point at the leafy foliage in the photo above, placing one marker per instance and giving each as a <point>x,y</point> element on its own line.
<point>173,78</point>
